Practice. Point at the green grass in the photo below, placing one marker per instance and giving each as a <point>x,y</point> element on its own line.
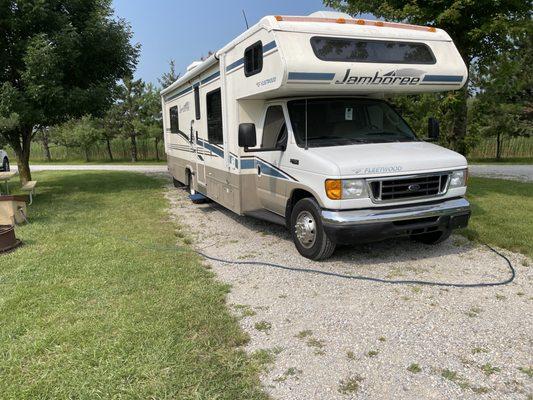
<point>98,162</point>
<point>502,213</point>
<point>87,314</point>
<point>414,368</point>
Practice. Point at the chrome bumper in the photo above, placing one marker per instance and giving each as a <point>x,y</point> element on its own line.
<point>379,215</point>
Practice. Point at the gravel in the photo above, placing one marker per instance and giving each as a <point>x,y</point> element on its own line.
<point>335,338</point>
<point>522,173</point>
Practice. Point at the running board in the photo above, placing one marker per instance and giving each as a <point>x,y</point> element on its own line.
<point>266,215</point>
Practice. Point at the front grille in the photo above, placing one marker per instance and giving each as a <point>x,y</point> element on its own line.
<point>401,188</point>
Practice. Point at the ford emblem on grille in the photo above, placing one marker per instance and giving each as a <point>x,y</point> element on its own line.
<point>413,188</point>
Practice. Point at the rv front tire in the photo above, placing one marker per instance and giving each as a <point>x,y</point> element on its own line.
<point>307,231</point>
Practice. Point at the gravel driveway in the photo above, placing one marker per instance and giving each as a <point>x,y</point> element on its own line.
<point>334,338</point>
<point>522,173</point>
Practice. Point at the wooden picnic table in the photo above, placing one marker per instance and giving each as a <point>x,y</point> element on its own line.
<point>5,177</point>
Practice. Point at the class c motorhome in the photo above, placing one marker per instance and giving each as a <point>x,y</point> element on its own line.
<point>289,122</point>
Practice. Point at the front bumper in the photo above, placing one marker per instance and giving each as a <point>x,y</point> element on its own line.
<point>367,225</point>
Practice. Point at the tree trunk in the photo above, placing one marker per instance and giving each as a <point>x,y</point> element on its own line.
<point>21,147</point>
<point>133,147</point>
<point>498,146</point>
<point>46,148</point>
<point>156,149</point>
<point>109,152</point>
<point>457,140</point>
<point>86,154</point>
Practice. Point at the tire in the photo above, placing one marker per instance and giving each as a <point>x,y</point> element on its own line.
<point>307,231</point>
<point>5,165</point>
<point>432,237</point>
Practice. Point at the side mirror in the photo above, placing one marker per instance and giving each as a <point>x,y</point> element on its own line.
<point>247,135</point>
<point>433,129</point>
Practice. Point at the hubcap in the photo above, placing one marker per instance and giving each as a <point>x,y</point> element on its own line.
<point>305,228</point>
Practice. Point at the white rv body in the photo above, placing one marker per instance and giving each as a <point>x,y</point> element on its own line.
<point>203,150</point>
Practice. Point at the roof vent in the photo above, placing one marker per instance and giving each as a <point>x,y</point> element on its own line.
<point>330,14</point>
<point>193,65</point>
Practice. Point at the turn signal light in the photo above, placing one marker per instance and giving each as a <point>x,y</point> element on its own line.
<point>334,189</point>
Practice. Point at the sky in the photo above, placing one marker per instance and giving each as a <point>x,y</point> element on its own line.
<point>185,30</point>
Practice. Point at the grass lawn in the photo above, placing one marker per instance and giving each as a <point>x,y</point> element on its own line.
<point>87,315</point>
<point>502,213</point>
<point>98,162</point>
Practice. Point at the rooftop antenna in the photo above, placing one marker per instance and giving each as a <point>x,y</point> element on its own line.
<point>245,19</point>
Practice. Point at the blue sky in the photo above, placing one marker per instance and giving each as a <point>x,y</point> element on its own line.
<point>186,30</point>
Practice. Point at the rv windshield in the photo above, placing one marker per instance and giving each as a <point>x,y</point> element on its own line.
<point>345,121</point>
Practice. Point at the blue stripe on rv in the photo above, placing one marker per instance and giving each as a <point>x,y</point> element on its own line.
<point>187,90</point>
<point>210,77</point>
<point>310,76</point>
<point>248,163</point>
<point>443,78</point>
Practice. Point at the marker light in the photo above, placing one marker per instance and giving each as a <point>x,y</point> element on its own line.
<point>334,189</point>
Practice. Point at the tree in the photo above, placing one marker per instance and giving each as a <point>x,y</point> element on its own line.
<point>150,119</point>
<point>480,29</point>
<point>42,135</point>
<point>168,78</point>
<point>80,133</point>
<point>503,106</point>
<point>127,111</point>
<point>58,59</point>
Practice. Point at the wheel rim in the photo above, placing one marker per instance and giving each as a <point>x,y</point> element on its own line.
<point>305,229</point>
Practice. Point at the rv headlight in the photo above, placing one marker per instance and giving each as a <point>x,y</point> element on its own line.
<point>458,178</point>
<point>337,189</point>
<point>353,188</point>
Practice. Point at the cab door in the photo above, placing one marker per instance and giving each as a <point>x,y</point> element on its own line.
<point>271,181</point>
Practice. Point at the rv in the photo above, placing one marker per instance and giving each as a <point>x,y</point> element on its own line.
<point>290,123</point>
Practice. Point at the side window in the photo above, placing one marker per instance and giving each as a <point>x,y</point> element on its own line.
<point>174,120</point>
<point>214,117</point>
<point>197,101</point>
<point>274,129</point>
<point>253,59</point>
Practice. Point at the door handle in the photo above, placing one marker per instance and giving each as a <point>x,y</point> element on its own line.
<point>258,170</point>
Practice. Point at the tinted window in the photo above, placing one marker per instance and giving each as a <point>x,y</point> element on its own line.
<point>274,129</point>
<point>253,59</point>
<point>372,51</point>
<point>197,101</point>
<point>214,117</point>
<point>345,121</point>
<point>174,120</point>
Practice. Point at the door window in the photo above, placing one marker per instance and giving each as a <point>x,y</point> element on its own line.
<point>274,129</point>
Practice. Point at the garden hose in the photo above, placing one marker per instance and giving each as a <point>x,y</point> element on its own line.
<point>335,274</point>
